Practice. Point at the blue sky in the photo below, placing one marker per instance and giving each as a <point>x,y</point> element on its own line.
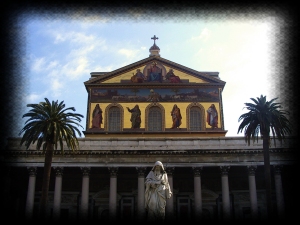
<point>61,54</point>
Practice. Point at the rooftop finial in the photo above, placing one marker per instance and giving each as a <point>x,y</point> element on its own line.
<point>154,38</point>
<point>154,50</point>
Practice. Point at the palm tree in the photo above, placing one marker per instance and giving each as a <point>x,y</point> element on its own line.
<point>49,124</point>
<point>265,116</point>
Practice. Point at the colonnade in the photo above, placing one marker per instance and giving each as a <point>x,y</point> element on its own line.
<point>141,189</point>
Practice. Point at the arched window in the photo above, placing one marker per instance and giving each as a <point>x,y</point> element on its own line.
<point>155,119</point>
<point>195,118</point>
<point>114,119</point>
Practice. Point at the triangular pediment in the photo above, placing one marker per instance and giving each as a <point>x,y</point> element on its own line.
<point>168,73</point>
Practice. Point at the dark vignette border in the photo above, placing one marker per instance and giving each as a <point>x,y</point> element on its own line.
<point>13,42</point>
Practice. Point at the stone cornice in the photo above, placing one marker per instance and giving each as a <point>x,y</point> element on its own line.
<point>143,151</point>
<point>161,144</point>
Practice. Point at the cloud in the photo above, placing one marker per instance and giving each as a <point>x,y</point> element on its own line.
<point>128,53</point>
<point>81,43</point>
<point>52,64</point>
<point>59,37</point>
<point>73,66</point>
<point>74,38</point>
<point>33,98</point>
<point>204,36</point>
<point>81,38</point>
<point>43,64</point>
<point>78,52</point>
<point>56,84</point>
<point>54,74</point>
<point>38,64</point>
<point>77,68</point>
<point>56,87</point>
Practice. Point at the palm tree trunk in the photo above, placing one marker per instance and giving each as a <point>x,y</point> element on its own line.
<point>267,169</point>
<point>46,180</point>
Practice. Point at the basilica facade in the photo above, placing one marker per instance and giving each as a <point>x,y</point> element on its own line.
<point>152,110</point>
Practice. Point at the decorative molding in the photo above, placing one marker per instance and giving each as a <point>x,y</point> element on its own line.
<point>197,171</point>
<point>85,171</point>
<point>251,170</point>
<point>32,171</point>
<point>141,171</point>
<point>18,153</point>
<point>58,171</point>
<point>113,171</point>
<point>224,170</point>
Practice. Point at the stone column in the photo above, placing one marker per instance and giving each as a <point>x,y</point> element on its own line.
<point>30,192</point>
<point>57,193</point>
<point>279,192</point>
<point>197,193</point>
<point>225,193</point>
<point>113,194</point>
<point>253,193</point>
<point>141,194</point>
<point>84,207</point>
<point>170,202</point>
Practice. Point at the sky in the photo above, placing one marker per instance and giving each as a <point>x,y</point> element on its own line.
<point>60,54</point>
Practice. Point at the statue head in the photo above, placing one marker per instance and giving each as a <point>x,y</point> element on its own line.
<point>158,163</point>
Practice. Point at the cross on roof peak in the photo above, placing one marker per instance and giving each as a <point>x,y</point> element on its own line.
<point>154,38</point>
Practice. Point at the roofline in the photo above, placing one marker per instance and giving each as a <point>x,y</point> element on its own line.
<point>174,65</point>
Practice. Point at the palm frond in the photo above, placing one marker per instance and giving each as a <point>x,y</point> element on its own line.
<point>264,117</point>
<point>51,121</point>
